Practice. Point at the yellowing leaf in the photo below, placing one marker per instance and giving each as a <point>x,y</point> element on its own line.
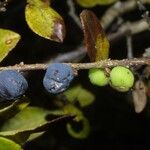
<point>44,21</point>
<point>102,47</point>
<point>96,42</point>
<point>92,3</point>
<point>6,144</point>
<point>8,40</point>
<point>78,93</point>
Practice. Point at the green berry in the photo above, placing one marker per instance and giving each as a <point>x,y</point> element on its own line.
<point>98,77</point>
<point>121,78</point>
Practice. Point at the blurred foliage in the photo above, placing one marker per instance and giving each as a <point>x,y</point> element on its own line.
<point>6,144</point>
<point>79,118</point>
<point>78,94</point>
<point>92,3</point>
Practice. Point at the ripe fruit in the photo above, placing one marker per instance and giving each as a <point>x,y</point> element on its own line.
<point>98,77</point>
<point>58,77</point>
<point>12,84</point>
<point>121,78</point>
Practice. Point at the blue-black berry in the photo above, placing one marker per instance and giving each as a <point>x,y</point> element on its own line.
<point>58,77</point>
<point>12,84</point>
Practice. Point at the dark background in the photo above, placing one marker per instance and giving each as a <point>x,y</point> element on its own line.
<point>114,124</point>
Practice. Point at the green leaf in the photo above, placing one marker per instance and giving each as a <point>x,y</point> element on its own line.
<point>18,104</point>
<point>6,107</point>
<point>30,120</point>
<point>8,40</point>
<point>6,144</point>
<point>34,136</point>
<point>74,111</point>
<point>92,3</point>
<point>96,42</point>
<point>83,133</point>
<point>78,93</point>
<point>44,21</point>
<point>79,118</point>
<point>9,109</point>
<point>85,98</point>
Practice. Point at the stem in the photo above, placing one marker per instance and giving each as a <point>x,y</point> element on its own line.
<point>114,11</point>
<point>129,46</point>
<point>72,13</point>
<point>108,63</point>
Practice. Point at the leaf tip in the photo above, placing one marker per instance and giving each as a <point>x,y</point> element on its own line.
<point>59,31</point>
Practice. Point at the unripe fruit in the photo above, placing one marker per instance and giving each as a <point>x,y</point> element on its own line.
<point>98,77</point>
<point>122,79</point>
<point>58,77</point>
<point>12,84</point>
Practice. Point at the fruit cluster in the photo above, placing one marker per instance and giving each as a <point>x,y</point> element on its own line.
<point>57,79</point>
<point>120,78</point>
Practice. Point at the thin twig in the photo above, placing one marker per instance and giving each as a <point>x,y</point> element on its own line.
<point>115,37</point>
<point>72,13</point>
<point>145,12</point>
<point>135,27</point>
<point>74,56</point>
<point>128,28</point>
<point>118,9</point>
<point>77,66</point>
<point>129,47</point>
<point>124,30</point>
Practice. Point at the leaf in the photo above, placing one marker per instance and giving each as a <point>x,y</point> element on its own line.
<point>6,107</point>
<point>8,40</point>
<point>83,133</point>
<point>18,104</point>
<point>95,39</point>
<point>139,96</point>
<point>44,21</point>
<point>78,93</point>
<point>33,115</point>
<point>9,109</point>
<point>34,136</point>
<point>29,120</point>
<point>73,111</point>
<point>6,144</point>
<point>92,3</point>
<point>79,118</point>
